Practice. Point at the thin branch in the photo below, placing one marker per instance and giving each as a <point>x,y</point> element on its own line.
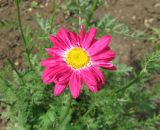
<point>128,85</point>
<point>22,33</point>
<point>67,110</point>
<point>92,11</point>
<point>6,103</point>
<point>52,15</point>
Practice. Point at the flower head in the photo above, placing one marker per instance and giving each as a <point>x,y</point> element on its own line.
<point>76,59</point>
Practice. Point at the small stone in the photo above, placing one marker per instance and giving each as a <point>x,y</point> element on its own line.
<point>41,6</point>
<point>133,44</point>
<point>66,16</point>
<point>133,17</point>
<point>157,5</point>
<point>16,63</point>
<point>122,17</point>
<point>150,20</point>
<point>46,4</point>
<point>30,9</point>
<point>146,23</point>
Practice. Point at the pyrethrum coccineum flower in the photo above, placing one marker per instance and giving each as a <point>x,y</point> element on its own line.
<point>76,59</point>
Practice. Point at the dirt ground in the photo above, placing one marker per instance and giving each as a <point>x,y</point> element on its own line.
<point>138,14</point>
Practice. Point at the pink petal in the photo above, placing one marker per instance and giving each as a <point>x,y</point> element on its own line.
<point>54,40</point>
<point>59,88</point>
<point>50,62</point>
<point>54,73</point>
<point>63,77</point>
<point>99,86</point>
<point>57,43</point>
<point>47,75</point>
<point>63,35</point>
<point>105,65</point>
<point>93,79</point>
<point>99,45</point>
<point>89,76</point>
<point>82,34</point>
<point>75,84</point>
<point>61,39</point>
<point>62,74</point>
<point>55,51</point>
<point>54,54</point>
<point>92,88</point>
<point>74,39</point>
<point>89,38</point>
<point>106,56</point>
<point>99,74</point>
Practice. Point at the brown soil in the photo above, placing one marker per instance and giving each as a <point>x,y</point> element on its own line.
<point>10,42</point>
<point>139,14</point>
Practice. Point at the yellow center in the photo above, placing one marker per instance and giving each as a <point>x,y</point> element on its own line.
<point>77,58</point>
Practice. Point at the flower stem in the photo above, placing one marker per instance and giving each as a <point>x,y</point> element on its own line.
<point>6,103</point>
<point>67,110</point>
<point>141,74</point>
<point>79,12</point>
<point>129,84</point>
<point>22,33</point>
<point>52,15</point>
<point>93,9</point>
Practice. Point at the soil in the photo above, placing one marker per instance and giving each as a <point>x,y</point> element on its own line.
<point>138,14</point>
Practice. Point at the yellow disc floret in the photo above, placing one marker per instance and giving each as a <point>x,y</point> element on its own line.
<point>77,58</point>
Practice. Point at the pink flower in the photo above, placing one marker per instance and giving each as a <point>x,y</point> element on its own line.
<point>75,59</point>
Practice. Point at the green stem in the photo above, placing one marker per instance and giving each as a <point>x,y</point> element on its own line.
<point>93,9</point>
<point>129,84</point>
<point>86,113</point>
<point>22,33</point>
<point>18,74</point>
<point>52,16</point>
<point>6,103</point>
<point>67,110</point>
<point>141,74</point>
<point>79,12</point>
